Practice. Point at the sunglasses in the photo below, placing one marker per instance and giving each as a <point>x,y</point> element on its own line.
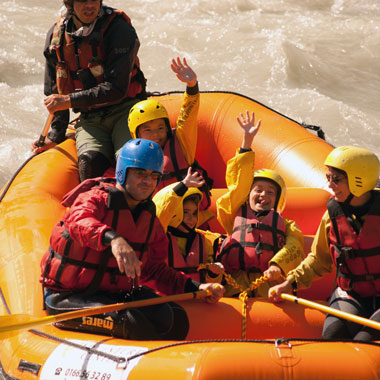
<point>142,174</point>
<point>335,179</point>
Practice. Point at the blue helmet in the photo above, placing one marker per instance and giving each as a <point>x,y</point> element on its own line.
<point>139,153</point>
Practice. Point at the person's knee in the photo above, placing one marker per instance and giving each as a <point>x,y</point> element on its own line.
<point>133,324</point>
<point>334,330</point>
<point>180,326</point>
<point>168,323</point>
<point>367,334</point>
<point>92,164</point>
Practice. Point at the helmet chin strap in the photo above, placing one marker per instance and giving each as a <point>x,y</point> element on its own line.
<point>348,200</point>
<point>82,22</point>
<point>186,227</point>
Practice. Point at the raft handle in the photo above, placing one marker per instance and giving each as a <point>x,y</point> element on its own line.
<point>279,341</point>
<point>316,128</point>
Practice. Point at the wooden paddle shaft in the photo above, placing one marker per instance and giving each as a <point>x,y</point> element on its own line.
<point>332,311</point>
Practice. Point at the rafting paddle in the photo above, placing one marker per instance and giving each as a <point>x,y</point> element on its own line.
<point>41,140</point>
<point>332,311</point>
<point>9,323</point>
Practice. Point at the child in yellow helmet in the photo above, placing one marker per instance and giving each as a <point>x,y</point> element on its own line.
<point>177,207</point>
<point>149,119</point>
<point>348,239</point>
<point>259,240</point>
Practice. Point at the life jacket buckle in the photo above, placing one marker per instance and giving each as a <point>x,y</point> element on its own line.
<point>258,249</point>
<point>348,252</point>
<point>251,226</point>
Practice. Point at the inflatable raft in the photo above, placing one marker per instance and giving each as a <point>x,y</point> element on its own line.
<point>281,341</point>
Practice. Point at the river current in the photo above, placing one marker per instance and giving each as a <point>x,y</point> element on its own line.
<point>316,61</point>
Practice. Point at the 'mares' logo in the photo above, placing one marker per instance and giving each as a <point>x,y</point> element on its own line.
<point>106,323</point>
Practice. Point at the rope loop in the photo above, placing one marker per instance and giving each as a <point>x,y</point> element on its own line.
<point>243,294</point>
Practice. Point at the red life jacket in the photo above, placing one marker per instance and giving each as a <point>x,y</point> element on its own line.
<point>175,169</point>
<point>195,255</point>
<point>81,66</point>
<point>356,254</point>
<point>253,242</point>
<point>69,266</point>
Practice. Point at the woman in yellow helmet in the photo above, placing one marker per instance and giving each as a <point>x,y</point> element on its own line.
<point>177,208</point>
<point>149,119</point>
<point>348,238</point>
<point>259,240</point>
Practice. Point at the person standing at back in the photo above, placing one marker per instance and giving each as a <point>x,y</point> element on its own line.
<point>92,67</point>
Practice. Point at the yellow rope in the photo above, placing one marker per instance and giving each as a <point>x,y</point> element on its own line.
<point>243,295</point>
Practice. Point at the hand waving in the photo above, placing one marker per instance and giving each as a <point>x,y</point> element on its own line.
<point>247,123</point>
<point>184,72</point>
<point>193,179</point>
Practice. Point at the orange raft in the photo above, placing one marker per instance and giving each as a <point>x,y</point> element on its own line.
<point>282,341</point>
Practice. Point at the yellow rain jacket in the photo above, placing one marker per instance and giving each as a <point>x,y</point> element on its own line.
<point>187,134</point>
<point>167,202</point>
<point>239,179</point>
<point>187,126</point>
<point>318,262</point>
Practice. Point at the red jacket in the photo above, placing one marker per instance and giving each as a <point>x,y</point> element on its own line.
<point>77,257</point>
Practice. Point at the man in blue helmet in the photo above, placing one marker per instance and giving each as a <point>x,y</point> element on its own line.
<point>110,242</point>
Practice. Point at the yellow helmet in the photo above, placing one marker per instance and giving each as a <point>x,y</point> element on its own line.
<point>144,111</point>
<point>277,179</point>
<point>160,199</point>
<point>360,165</point>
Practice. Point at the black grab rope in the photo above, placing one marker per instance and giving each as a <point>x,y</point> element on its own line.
<point>276,342</point>
<point>14,176</point>
<point>315,128</point>
<point>89,350</point>
<point>23,165</point>
<point>120,359</point>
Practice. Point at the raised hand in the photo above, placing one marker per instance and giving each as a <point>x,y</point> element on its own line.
<point>184,72</point>
<point>250,129</point>
<point>193,179</point>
